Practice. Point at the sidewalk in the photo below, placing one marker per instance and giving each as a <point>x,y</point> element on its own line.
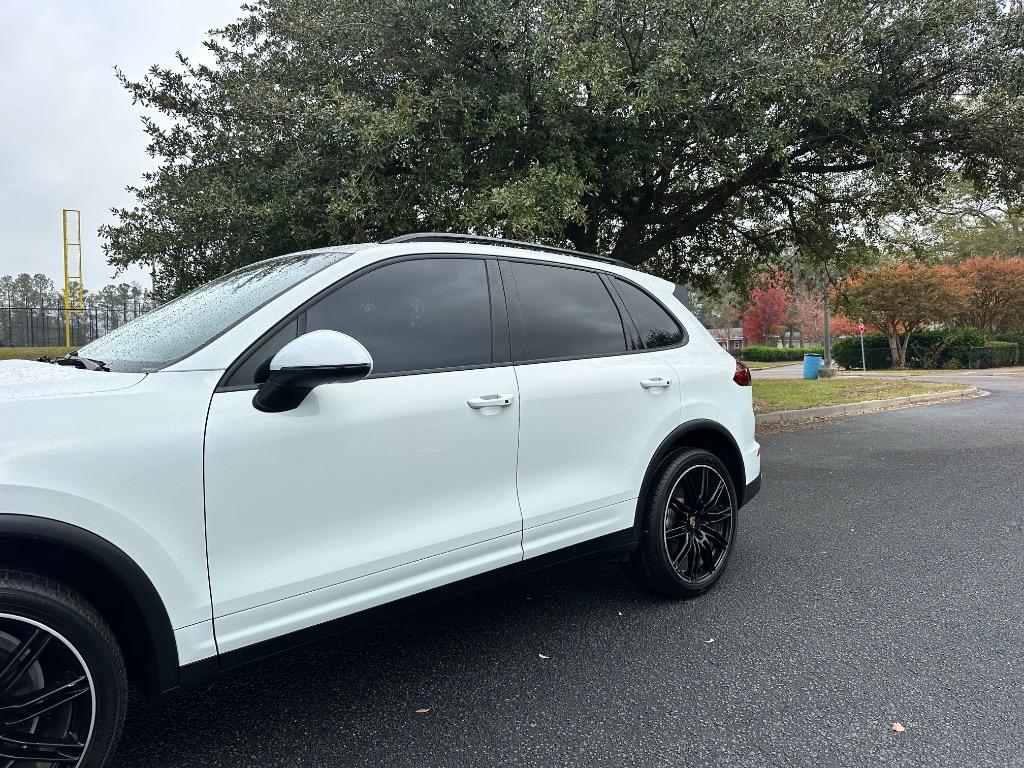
<point>796,371</point>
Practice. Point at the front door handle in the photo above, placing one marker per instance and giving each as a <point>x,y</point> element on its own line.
<point>655,383</point>
<point>490,401</point>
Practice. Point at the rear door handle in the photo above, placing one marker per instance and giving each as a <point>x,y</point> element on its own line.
<point>655,383</point>
<point>490,401</point>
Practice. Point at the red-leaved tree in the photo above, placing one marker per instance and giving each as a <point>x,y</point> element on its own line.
<point>765,313</point>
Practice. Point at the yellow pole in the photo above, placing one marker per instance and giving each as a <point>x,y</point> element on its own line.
<point>67,281</point>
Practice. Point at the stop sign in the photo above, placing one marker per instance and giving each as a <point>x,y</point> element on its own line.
<point>860,327</point>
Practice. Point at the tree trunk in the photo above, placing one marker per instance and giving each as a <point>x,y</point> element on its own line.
<point>894,350</point>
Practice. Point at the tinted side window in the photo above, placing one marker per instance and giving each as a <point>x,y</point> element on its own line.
<point>567,313</point>
<point>414,315</point>
<point>657,327</point>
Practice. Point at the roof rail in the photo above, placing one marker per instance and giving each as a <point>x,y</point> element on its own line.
<point>454,237</point>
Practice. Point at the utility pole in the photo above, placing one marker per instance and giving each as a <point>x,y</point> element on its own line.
<point>827,371</point>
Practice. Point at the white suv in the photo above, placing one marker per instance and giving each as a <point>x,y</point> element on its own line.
<point>319,439</point>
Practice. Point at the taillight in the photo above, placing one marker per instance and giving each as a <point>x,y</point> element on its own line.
<point>742,375</point>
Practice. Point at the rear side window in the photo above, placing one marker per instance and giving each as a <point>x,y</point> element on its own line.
<point>414,315</point>
<point>566,313</point>
<point>657,327</point>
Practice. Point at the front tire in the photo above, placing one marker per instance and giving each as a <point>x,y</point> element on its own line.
<point>688,525</point>
<point>63,689</point>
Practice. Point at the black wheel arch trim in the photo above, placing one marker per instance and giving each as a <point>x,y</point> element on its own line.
<point>132,578</point>
<point>675,440</point>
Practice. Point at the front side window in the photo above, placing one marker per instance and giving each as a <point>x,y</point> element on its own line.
<point>566,313</point>
<point>415,315</point>
<point>657,327</point>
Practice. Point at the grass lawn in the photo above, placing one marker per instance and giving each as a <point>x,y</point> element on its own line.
<point>787,394</point>
<point>754,365</point>
<point>30,353</point>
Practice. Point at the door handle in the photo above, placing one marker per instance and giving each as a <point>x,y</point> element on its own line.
<point>655,383</point>
<point>490,401</point>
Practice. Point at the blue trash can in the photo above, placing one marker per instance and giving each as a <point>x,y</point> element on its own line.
<point>811,365</point>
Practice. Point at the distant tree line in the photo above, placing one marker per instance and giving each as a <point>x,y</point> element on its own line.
<point>32,310</point>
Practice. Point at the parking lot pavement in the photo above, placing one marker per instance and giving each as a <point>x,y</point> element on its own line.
<point>878,579</point>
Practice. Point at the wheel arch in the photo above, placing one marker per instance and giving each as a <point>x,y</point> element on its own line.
<point>110,580</point>
<point>698,433</point>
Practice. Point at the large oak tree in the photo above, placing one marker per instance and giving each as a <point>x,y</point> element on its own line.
<point>702,138</point>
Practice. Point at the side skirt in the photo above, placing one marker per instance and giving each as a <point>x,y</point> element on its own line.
<point>200,672</point>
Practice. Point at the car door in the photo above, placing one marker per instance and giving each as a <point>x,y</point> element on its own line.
<point>595,403</point>
<point>373,490</point>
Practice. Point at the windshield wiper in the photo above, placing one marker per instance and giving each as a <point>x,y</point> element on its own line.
<point>85,363</point>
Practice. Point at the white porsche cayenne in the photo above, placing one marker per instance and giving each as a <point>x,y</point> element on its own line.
<point>323,438</point>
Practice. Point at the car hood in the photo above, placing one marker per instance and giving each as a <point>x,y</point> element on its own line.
<point>22,379</point>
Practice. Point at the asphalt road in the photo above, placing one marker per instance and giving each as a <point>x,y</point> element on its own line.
<point>878,578</point>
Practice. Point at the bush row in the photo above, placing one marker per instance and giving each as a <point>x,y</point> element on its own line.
<point>760,354</point>
<point>948,348</point>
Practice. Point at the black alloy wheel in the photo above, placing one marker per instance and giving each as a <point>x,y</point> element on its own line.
<point>688,525</point>
<point>63,688</point>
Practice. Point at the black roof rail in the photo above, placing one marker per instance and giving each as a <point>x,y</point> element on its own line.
<point>454,237</point>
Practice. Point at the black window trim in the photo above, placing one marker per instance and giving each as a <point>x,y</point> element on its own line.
<point>500,343</point>
<point>506,316</point>
<point>517,326</point>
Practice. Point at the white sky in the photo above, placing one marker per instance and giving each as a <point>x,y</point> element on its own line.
<point>69,134</point>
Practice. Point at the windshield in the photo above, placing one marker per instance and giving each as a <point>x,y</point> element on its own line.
<point>182,326</point>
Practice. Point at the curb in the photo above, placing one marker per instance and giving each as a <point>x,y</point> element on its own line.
<point>867,406</point>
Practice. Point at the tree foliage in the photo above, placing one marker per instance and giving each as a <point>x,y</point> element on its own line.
<point>698,138</point>
<point>992,294</point>
<point>903,298</point>
<point>766,312</point>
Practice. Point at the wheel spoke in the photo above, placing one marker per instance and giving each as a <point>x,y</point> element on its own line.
<point>716,538</point>
<point>683,549</point>
<point>675,533</point>
<point>707,556</point>
<point>23,657</point>
<point>679,506</point>
<point>691,571</point>
<point>32,705</point>
<point>713,501</point>
<point>32,748</point>
<point>719,515</point>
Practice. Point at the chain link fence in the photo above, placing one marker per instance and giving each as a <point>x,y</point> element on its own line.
<point>44,326</point>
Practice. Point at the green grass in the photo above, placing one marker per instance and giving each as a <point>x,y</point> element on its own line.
<point>755,365</point>
<point>788,394</point>
<point>30,353</point>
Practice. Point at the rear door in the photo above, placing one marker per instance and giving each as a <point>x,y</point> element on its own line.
<point>596,402</point>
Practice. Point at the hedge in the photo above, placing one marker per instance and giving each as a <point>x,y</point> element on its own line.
<point>761,354</point>
<point>949,348</point>
<point>995,354</point>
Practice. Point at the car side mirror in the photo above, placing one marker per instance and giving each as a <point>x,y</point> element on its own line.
<point>319,357</point>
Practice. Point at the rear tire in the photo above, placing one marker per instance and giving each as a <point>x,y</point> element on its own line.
<point>63,687</point>
<point>687,525</point>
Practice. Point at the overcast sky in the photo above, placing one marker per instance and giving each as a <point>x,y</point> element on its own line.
<point>69,135</point>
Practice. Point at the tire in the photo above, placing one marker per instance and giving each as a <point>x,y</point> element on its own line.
<point>687,530</point>
<point>63,687</point>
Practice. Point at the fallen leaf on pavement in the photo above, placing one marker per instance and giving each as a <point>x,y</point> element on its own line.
<point>898,727</point>
<point>422,710</point>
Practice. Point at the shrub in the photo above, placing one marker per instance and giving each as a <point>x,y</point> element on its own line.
<point>994,354</point>
<point>760,354</point>
<point>935,349</point>
<point>947,348</point>
<point>846,351</point>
